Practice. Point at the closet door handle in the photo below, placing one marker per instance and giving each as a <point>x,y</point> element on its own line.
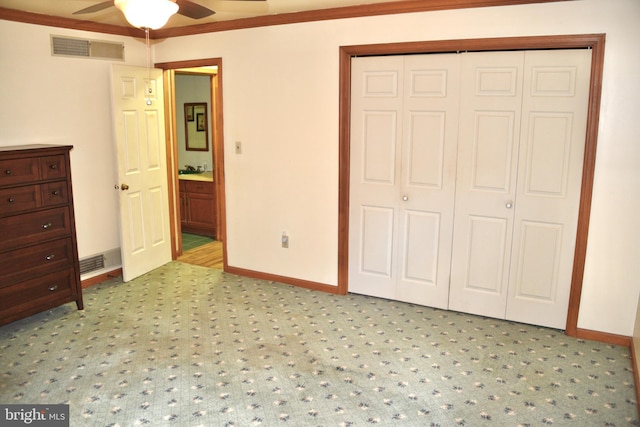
<point>405,198</point>
<point>509,204</point>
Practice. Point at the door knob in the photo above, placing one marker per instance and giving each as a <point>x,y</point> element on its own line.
<point>124,187</point>
<point>509,204</point>
<point>405,198</point>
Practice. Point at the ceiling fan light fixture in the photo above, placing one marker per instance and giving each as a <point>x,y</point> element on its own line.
<point>152,14</point>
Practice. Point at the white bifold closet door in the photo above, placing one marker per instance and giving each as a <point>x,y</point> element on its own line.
<point>465,180</point>
<point>403,150</point>
<point>518,186</point>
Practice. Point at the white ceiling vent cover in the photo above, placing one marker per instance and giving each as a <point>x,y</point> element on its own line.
<point>67,46</point>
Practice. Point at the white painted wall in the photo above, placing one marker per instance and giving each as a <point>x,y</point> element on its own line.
<point>280,99</point>
<point>59,100</point>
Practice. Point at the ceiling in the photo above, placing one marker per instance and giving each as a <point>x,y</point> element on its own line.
<point>226,10</point>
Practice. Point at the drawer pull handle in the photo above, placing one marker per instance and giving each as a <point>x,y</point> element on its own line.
<point>11,200</point>
<point>56,193</point>
<point>8,172</point>
<point>53,288</point>
<point>50,257</point>
<point>53,166</point>
<point>47,225</point>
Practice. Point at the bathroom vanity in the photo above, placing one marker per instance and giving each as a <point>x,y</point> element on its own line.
<point>198,204</point>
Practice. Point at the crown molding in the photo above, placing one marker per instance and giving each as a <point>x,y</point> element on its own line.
<point>390,8</point>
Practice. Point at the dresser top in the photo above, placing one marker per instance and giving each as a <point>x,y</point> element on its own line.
<point>33,147</point>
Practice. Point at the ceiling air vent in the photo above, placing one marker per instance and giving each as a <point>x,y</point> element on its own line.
<point>67,46</point>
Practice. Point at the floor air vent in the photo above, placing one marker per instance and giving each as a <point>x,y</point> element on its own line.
<point>93,263</point>
<point>68,46</point>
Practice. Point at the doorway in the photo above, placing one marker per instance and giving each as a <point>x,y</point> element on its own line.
<point>594,42</point>
<point>208,198</point>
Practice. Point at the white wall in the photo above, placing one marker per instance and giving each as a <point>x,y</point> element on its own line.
<point>60,100</point>
<point>280,88</point>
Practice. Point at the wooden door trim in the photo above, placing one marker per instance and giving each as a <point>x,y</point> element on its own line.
<point>595,42</point>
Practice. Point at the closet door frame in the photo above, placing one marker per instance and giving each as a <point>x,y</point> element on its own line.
<point>595,42</point>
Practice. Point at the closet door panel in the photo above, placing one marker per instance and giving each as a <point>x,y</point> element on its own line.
<point>490,102</point>
<point>420,237</point>
<point>376,241</point>
<point>492,148</point>
<point>427,190</point>
<point>554,117</point>
<point>538,259</point>
<point>425,157</point>
<point>376,117</point>
<point>485,249</point>
<point>379,147</point>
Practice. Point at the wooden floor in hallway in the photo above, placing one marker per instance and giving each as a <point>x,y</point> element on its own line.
<point>207,255</point>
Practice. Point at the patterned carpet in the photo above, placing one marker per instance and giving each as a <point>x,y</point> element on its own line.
<point>189,346</point>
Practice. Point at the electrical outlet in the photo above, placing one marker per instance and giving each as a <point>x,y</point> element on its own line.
<point>238,147</point>
<point>285,240</point>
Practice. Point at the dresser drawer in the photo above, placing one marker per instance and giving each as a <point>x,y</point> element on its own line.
<point>35,260</point>
<point>20,230</point>
<point>199,187</point>
<point>17,171</point>
<point>52,167</point>
<point>54,193</point>
<point>19,199</point>
<point>36,292</point>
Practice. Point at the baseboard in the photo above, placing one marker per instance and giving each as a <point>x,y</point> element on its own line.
<point>603,337</point>
<point>282,279</point>
<point>101,278</point>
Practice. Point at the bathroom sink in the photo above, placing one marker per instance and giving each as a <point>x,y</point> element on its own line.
<point>187,172</point>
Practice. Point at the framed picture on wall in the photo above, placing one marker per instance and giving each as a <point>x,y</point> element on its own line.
<point>196,132</point>
<point>200,122</point>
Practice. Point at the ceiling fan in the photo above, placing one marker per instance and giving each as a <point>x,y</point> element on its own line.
<point>187,8</point>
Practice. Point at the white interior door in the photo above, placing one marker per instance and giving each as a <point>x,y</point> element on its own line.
<point>554,121</point>
<point>519,179</point>
<point>491,98</point>
<point>427,183</point>
<point>138,113</point>
<point>376,117</point>
<point>403,149</point>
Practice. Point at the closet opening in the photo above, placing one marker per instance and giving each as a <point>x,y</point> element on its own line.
<point>593,42</point>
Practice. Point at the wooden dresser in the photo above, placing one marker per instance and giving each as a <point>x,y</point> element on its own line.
<point>39,266</point>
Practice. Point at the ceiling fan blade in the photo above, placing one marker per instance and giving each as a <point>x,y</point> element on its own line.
<point>95,8</point>
<point>193,10</point>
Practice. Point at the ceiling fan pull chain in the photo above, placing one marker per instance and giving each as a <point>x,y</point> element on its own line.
<point>148,85</point>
